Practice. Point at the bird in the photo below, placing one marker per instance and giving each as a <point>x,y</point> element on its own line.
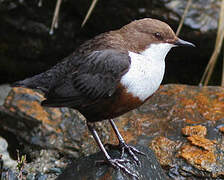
<point>109,75</point>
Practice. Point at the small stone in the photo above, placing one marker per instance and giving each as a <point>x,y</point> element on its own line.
<point>40,176</point>
<point>25,172</point>
<point>3,145</point>
<point>11,175</point>
<point>8,162</point>
<point>30,177</point>
<point>45,169</point>
<point>55,170</point>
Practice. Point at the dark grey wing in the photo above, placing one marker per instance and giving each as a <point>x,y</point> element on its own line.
<point>101,73</point>
<point>94,76</point>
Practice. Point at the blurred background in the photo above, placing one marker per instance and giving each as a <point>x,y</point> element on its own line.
<point>28,48</point>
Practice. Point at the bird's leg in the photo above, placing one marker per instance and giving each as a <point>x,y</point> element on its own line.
<point>116,163</point>
<point>130,149</point>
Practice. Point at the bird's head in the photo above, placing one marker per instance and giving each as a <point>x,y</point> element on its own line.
<point>151,36</point>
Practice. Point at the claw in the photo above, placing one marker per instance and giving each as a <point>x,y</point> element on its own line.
<point>131,151</point>
<point>106,161</point>
<point>117,163</point>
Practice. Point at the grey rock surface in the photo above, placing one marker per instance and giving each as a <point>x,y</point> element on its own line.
<point>87,168</point>
<point>202,15</point>
<point>4,91</point>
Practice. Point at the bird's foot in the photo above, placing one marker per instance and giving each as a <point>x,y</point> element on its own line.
<point>132,151</point>
<point>118,164</point>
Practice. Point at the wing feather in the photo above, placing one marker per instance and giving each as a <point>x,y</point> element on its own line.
<point>97,76</point>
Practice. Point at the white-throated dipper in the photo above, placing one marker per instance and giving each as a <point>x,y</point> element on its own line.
<point>109,75</point>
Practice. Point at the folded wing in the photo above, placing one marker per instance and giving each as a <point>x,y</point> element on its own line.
<point>80,80</point>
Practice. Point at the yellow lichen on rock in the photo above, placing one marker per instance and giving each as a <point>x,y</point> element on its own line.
<point>201,159</point>
<point>198,130</point>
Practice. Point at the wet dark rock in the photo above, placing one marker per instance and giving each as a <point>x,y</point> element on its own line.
<point>200,157</point>
<point>86,168</point>
<point>182,124</point>
<point>28,122</point>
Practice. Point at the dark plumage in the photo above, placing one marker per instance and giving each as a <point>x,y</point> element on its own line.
<point>81,82</point>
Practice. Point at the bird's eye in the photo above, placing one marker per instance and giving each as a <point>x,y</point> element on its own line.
<point>158,35</point>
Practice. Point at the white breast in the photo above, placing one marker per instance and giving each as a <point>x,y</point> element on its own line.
<point>146,71</point>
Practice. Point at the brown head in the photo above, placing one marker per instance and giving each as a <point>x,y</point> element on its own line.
<point>140,34</point>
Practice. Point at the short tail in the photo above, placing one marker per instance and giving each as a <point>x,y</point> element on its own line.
<point>35,82</point>
<point>45,80</point>
<point>19,84</point>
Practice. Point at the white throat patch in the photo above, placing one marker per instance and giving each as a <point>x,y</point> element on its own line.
<point>146,71</point>
<point>157,51</point>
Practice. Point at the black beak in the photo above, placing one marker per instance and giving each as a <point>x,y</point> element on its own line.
<point>181,42</point>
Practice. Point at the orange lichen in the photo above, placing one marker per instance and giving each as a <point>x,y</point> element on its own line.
<point>198,130</point>
<point>210,108</point>
<point>106,176</point>
<point>20,90</point>
<point>190,121</point>
<point>208,104</point>
<point>221,129</point>
<point>201,142</point>
<point>197,157</point>
<point>164,148</point>
<point>56,115</point>
<point>34,110</point>
<point>176,89</point>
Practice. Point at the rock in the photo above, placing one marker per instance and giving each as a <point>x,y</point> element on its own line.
<point>41,176</point>
<point>30,177</point>
<point>202,14</point>
<point>4,91</point>
<point>7,161</point>
<point>165,149</point>
<point>8,175</point>
<point>84,168</point>
<point>42,167</point>
<point>181,123</point>
<point>41,126</point>
<point>203,157</point>
<point>204,154</point>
